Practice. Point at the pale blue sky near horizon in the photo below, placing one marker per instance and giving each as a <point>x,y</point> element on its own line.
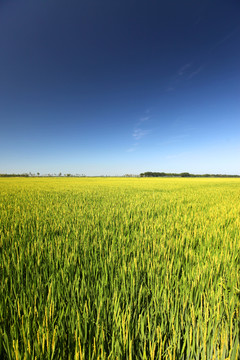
<point>116,87</point>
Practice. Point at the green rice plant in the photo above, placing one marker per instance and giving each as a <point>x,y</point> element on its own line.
<point>117,268</point>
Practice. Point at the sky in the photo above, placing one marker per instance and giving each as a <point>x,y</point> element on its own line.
<point>116,87</point>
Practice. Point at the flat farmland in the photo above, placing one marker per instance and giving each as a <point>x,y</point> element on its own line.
<point>118,268</point>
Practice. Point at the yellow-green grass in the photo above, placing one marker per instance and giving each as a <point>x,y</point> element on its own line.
<point>111,268</point>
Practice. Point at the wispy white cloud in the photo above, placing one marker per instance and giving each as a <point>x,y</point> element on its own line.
<point>195,72</point>
<point>170,88</point>
<point>179,76</point>
<point>132,149</point>
<point>225,38</point>
<point>143,119</point>
<point>139,133</point>
<point>189,70</point>
<point>185,73</point>
<point>184,69</point>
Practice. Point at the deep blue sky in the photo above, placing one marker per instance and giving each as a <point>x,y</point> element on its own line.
<point>113,87</point>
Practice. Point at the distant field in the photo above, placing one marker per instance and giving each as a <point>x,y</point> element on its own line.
<point>115,268</point>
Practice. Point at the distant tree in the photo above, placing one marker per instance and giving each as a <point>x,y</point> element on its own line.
<point>38,173</point>
<point>60,174</point>
<point>185,174</point>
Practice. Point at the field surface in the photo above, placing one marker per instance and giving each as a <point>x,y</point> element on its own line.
<point>111,268</point>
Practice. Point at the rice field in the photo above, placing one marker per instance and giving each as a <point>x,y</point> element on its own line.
<point>116,268</point>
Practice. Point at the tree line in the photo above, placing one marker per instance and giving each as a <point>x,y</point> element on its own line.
<point>145,174</point>
<point>183,174</point>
